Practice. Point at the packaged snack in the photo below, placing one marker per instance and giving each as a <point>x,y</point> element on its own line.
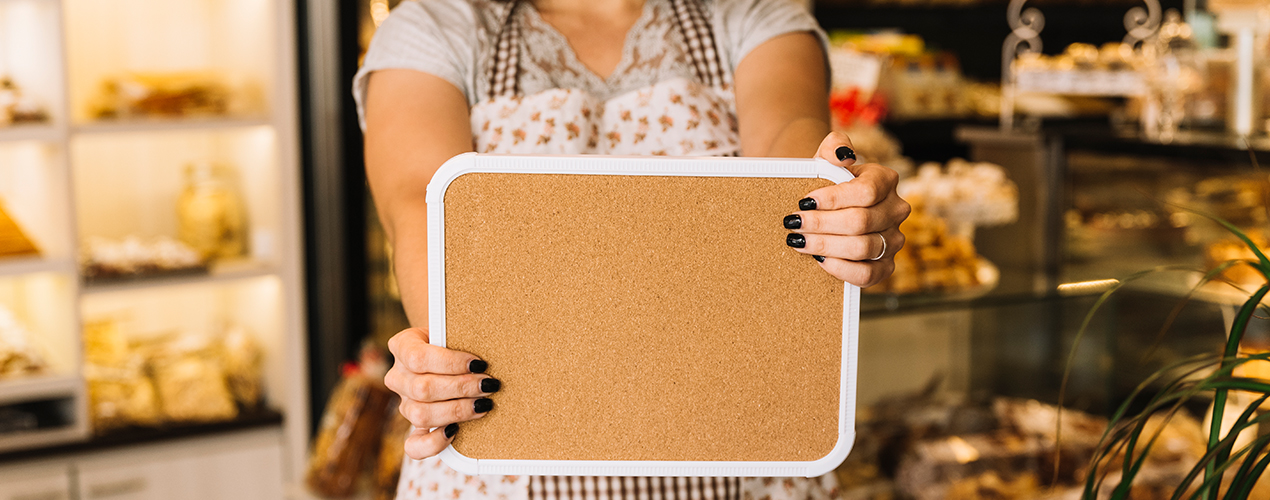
<point>121,396</point>
<point>242,358</point>
<point>191,383</point>
<point>392,451</point>
<point>349,434</point>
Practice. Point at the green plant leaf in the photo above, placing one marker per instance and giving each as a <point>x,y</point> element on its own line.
<point>1237,328</point>
<point>1241,476</point>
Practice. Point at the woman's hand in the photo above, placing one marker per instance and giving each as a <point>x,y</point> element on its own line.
<point>851,228</point>
<point>439,387</point>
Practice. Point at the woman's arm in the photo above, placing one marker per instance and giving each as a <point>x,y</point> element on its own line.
<point>783,108</point>
<point>414,123</point>
<point>782,102</point>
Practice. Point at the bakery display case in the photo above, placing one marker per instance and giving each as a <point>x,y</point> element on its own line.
<point>158,265</point>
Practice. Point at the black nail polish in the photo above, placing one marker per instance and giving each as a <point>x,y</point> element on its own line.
<point>796,240</point>
<point>477,366</point>
<point>450,430</point>
<point>844,153</point>
<point>491,385</point>
<point>793,221</point>
<point>819,258</point>
<point>806,204</point>
<point>483,405</point>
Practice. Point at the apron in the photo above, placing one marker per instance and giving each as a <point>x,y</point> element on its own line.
<point>674,117</point>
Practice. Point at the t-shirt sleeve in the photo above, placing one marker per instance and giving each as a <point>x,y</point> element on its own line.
<point>742,25</point>
<point>433,36</point>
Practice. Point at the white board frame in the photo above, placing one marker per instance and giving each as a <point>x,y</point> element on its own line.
<point>469,163</point>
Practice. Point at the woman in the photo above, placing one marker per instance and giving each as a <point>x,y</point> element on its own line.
<point>655,77</point>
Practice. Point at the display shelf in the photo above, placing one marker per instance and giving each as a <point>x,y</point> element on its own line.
<point>1209,147</point>
<point>79,176</point>
<point>206,309</point>
<point>219,273</point>
<point>134,436</point>
<point>33,192</point>
<point>182,43</point>
<point>21,133</point>
<point>130,184</point>
<point>40,303</point>
<point>31,52</point>
<point>18,266</point>
<point>168,125</point>
<point>53,400</point>
<point>48,386</point>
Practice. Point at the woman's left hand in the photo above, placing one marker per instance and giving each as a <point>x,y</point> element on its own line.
<point>851,228</point>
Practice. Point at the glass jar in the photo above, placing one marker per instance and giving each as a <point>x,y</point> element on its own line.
<point>209,213</point>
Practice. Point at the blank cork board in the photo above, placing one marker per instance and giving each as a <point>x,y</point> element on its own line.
<point>644,315</point>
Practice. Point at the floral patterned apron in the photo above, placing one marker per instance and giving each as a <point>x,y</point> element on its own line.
<point>676,117</point>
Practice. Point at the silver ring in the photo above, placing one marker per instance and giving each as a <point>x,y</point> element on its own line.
<point>883,247</point>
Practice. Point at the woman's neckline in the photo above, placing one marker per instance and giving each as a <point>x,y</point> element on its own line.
<point>571,55</point>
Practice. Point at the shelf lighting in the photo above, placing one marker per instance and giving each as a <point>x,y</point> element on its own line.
<point>1086,287</point>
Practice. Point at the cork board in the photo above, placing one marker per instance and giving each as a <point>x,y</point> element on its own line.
<point>638,319</point>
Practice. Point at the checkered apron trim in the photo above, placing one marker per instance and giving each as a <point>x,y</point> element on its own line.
<point>703,54</point>
<point>634,488</point>
<point>699,38</point>
<point>504,73</point>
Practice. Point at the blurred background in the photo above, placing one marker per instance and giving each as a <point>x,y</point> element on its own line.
<point>195,292</point>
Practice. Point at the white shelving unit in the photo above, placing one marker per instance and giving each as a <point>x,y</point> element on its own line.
<point>77,177</point>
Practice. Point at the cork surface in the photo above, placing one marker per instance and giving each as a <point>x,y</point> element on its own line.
<point>642,318</point>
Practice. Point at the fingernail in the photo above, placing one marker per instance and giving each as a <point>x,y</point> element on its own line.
<point>806,204</point>
<point>450,430</point>
<point>796,240</point>
<point>491,385</point>
<point>819,258</point>
<point>793,221</point>
<point>483,405</point>
<point>477,366</point>
<point>845,153</point>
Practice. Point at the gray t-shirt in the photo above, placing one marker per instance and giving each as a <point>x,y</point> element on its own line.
<point>453,39</point>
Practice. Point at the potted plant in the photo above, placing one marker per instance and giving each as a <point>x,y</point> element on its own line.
<point>1236,456</point>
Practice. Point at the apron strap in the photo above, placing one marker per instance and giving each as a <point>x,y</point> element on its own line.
<point>504,70</point>
<point>703,54</point>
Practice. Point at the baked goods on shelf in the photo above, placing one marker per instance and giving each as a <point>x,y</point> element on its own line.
<point>933,259</point>
<point>963,192</point>
<point>948,202</point>
<point>16,107</point>
<point>162,95</point>
<point>1222,251</point>
<point>105,259</point>
<point>18,357</point>
<point>13,241</point>
<point>957,447</point>
<point>155,379</point>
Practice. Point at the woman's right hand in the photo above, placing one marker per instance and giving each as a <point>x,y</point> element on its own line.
<point>439,387</point>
